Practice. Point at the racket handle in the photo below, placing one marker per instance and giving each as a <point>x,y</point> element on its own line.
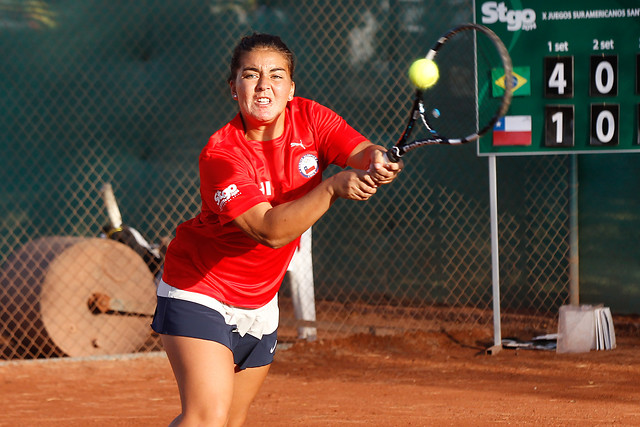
<point>392,155</point>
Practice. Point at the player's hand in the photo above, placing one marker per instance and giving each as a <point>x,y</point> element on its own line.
<point>381,170</point>
<point>354,184</point>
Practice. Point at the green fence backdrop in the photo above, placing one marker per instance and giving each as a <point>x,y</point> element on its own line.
<point>128,93</point>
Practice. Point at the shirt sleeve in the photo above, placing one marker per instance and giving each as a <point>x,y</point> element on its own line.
<point>227,186</point>
<point>336,138</point>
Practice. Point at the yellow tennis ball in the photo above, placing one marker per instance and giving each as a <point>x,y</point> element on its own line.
<point>423,73</point>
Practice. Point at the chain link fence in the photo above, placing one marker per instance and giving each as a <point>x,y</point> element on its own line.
<point>127,93</point>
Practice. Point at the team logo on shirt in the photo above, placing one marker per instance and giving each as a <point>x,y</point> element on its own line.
<point>223,196</point>
<point>308,165</point>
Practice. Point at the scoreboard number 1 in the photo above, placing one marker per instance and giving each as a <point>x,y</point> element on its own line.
<point>559,126</point>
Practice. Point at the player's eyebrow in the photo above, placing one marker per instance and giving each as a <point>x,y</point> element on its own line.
<point>272,70</point>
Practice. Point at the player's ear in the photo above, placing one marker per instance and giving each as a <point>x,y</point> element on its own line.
<point>234,92</point>
<point>292,91</point>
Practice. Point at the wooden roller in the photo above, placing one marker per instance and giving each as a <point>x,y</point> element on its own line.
<point>77,297</point>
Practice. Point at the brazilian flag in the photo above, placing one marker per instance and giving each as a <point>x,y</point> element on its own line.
<point>521,81</point>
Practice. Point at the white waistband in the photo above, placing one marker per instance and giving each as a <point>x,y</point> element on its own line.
<point>256,322</point>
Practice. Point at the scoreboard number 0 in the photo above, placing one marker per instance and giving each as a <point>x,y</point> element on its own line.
<point>604,75</point>
<point>604,124</point>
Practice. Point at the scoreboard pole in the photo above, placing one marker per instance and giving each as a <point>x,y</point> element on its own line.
<point>574,256</point>
<point>495,255</point>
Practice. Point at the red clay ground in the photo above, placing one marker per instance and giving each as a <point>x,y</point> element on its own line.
<point>417,379</point>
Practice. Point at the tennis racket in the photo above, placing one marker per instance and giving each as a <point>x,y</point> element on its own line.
<point>462,105</point>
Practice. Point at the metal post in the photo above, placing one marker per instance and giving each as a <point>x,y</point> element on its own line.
<point>495,252</point>
<point>574,258</point>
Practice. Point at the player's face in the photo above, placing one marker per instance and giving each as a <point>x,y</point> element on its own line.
<point>263,87</point>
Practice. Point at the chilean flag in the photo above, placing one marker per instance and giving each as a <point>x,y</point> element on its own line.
<point>512,130</point>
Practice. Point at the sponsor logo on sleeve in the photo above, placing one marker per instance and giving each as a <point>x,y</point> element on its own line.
<point>222,197</point>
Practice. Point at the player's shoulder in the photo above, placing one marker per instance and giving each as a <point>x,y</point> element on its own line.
<point>309,108</point>
<point>301,107</point>
<point>225,140</point>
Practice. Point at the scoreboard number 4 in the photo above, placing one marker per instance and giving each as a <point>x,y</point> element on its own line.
<point>558,75</point>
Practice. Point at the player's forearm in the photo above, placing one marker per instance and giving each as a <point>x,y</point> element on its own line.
<point>290,220</point>
<point>276,226</point>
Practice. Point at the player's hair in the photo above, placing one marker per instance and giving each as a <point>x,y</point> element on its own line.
<point>259,41</point>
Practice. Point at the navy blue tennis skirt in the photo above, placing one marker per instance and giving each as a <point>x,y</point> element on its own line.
<point>189,319</point>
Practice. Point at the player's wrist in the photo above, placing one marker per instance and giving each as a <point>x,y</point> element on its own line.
<point>330,187</point>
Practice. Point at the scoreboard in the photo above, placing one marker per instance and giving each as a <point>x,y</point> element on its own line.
<point>576,76</point>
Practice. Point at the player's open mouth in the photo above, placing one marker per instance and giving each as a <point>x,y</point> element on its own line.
<point>263,101</point>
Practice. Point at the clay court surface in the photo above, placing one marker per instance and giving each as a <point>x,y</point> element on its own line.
<point>415,379</point>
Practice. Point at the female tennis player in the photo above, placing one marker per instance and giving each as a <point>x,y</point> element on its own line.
<point>261,187</point>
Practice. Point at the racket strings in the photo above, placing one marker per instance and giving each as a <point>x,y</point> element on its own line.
<point>451,103</point>
<point>480,104</point>
<point>463,104</point>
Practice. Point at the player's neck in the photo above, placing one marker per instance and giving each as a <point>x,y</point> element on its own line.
<point>264,131</point>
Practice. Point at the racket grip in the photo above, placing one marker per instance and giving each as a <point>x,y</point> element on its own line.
<point>389,157</point>
<point>392,155</point>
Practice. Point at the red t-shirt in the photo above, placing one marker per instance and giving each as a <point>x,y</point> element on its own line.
<point>209,254</point>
